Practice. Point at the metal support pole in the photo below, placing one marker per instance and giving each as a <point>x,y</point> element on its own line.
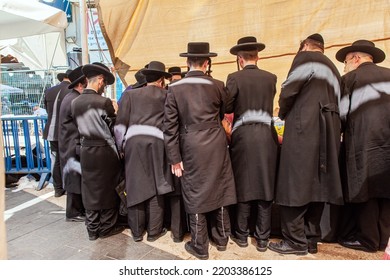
<point>84,31</point>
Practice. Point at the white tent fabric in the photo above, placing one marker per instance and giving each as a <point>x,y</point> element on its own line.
<point>19,18</point>
<point>139,31</point>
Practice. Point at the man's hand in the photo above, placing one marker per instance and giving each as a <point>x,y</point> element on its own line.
<point>177,169</point>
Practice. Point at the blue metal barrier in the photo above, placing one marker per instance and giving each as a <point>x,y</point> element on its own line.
<point>25,151</point>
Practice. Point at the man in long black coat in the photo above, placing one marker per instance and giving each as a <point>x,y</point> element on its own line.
<point>52,102</point>
<point>365,112</point>
<point>308,174</point>
<point>99,158</point>
<point>197,149</point>
<point>69,149</point>
<point>139,137</point>
<point>253,146</point>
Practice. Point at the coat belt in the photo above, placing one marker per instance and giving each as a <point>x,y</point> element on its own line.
<point>96,142</point>
<point>251,120</point>
<point>198,126</point>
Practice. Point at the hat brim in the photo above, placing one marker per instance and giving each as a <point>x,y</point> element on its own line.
<point>138,85</point>
<point>247,47</point>
<point>198,54</point>
<point>377,54</point>
<point>156,72</point>
<point>75,82</point>
<point>101,70</point>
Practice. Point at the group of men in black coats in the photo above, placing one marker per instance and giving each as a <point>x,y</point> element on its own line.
<point>335,150</point>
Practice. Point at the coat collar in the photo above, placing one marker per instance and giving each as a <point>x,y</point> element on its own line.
<point>195,73</point>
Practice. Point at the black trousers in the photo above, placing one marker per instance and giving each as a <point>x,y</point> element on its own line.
<point>219,224</point>
<point>367,222</point>
<point>301,225</point>
<point>100,221</point>
<point>148,215</point>
<point>177,216</point>
<point>74,205</point>
<point>56,168</point>
<point>262,220</point>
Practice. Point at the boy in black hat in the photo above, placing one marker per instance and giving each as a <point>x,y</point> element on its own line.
<point>99,159</point>
<point>197,150</point>
<point>308,174</point>
<point>139,137</point>
<point>365,117</point>
<point>69,147</point>
<point>52,103</point>
<point>253,146</point>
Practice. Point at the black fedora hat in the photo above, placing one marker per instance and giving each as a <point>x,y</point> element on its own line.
<point>141,80</point>
<point>198,49</point>
<point>248,43</point>
<point>156,68</point>
<point>97,68</point>
<point>76,76</point>
<point>61,76</point>
<point>175,70</point>
<point>364,46</point>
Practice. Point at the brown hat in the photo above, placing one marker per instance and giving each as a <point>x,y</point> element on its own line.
<point>175,70</point>
<point>75,77</point>
<point>97,68</point>
<point>61,76</point>
<point>364,46</point>
<point>156,68</point>
<point>248,43</point>
<point>198,49</point>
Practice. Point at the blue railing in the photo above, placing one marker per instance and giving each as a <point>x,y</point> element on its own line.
<point>25,151</point>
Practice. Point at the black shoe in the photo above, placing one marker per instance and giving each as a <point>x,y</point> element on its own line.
<point>312,247</point>
<point>138,238</point>
<point>177,239</point>
<point>76,219</point>
<point>239,242</point>
<point>261,245</point>
<point>356,245</point>
<point>190,249</point>
<point>283,247</point>
<point>59,192</point>
<point>220,248</point>
<point>152,238</point>
<point>113,231</point>
<point>93,236</point>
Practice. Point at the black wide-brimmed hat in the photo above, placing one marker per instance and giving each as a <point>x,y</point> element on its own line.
<point>198,49</point>
<point>156,68</point>
<point>141,79</point>
<point>175,70</point>
<point>76,76</point>
<point>61,76</point>
<point>364,46</point>
<point>97,68</point>
<point>248,43</point>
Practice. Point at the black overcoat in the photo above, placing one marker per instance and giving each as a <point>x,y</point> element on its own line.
<point>253,147</point>
<point>99,159</point>
<point>309,102</point>
<point>139,135</point>
<point>69,146</point>
<point>194,135</point>
<point>366,120</point>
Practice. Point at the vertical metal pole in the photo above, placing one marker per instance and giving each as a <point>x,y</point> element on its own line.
<point>84,31</point>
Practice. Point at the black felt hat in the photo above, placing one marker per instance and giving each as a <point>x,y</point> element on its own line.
<point>364,46</point>
<point>316,37</point>
<point>141,79</point>
<point>248,43</point>
<point>156,68</point>
<point>198,49</point>
<point>76,76</point>
<point>61,76</point>
<point>174,70</point>
<point>97,68</point>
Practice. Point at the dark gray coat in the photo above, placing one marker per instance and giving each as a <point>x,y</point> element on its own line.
<point>366,122</point>
<point>139,135</point>
<point>309,100</point>
<point>194,135</point>
<point>253,147</point>
<point>69,146</point>
<point>99,159</point>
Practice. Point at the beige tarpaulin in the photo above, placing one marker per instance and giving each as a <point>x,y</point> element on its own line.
<point>139,31</point>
